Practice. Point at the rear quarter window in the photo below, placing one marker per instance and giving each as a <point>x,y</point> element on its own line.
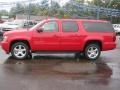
<point>98,26</point>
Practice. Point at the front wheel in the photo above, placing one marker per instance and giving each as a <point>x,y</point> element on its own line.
<point>19,50</point>
<point>92,51</point>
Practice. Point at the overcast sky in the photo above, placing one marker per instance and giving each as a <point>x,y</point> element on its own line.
<point>7,7</point>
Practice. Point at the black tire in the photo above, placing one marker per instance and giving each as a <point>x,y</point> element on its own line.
<point>24,45</point>
<point>88,47</point>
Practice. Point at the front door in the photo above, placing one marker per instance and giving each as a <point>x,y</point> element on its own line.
<point>48,39</point>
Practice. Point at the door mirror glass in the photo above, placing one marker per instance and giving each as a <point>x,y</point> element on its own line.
<point>40,30</point>
<point>50,26</point>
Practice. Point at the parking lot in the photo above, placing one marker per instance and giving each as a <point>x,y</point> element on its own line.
<point>61,72</point>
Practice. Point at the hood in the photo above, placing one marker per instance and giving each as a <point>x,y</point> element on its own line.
<point>6,25</point>
<point>3,24</point>
<point>18,31</point>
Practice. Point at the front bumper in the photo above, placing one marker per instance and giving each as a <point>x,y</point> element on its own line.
<point>5,46</point>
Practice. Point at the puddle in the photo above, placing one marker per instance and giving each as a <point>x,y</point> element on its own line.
<point>115,67</point>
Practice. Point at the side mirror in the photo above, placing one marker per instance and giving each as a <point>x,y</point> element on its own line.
<point>40,30</point>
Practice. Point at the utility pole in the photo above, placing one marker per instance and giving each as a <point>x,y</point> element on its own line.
<point>111,12</point>
<point>51,2</point>
<point>51,7</point>
<point>29,11</point>
<point>98,11</point>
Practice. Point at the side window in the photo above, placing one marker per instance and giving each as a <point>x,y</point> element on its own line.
<point>51,26</point>
<point>69,26</point>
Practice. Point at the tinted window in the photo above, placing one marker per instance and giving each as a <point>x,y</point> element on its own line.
<point>50,27</point>
<point>69,26</point>
<point>98,27</point>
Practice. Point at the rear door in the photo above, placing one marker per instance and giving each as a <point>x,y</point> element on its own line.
<point>70,36</point>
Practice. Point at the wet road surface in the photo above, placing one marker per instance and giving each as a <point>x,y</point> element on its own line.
<point>61,72</point>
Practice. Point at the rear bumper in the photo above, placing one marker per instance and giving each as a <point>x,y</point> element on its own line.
<point>5,46</point>
<point>109,46</point>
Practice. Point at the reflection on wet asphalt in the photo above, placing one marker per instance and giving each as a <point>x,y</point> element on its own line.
<point>60,72</point>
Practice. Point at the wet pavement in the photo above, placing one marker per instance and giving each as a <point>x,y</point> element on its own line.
<point>61,72</point>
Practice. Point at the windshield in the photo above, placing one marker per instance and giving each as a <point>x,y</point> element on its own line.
<point>37,25</point>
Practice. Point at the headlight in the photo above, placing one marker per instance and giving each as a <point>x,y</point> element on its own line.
<point>5,38</point>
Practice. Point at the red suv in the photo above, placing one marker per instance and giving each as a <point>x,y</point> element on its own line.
<point>89,37</point>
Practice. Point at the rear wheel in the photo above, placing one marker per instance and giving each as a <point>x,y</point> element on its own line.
<point>92,51</point>
<point>20,50</point>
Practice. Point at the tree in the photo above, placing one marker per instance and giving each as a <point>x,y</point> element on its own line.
<point>54,9</point>
<point>18,9</point>
<point>71,9</point>
<point>114,4</point>
<point>44,8</point>
<point>78,1</point>
<point>75,11</point>
<point>107,3</point>
<point>4,13</point>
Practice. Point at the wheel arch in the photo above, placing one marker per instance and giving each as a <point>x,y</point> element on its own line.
<point>20,40</point>
<point>98,42</point>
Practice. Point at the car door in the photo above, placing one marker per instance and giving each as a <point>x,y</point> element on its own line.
<point>48,39</point>
<point>70,37</point>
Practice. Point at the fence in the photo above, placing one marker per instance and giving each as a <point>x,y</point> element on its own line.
<point>71,9</point>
